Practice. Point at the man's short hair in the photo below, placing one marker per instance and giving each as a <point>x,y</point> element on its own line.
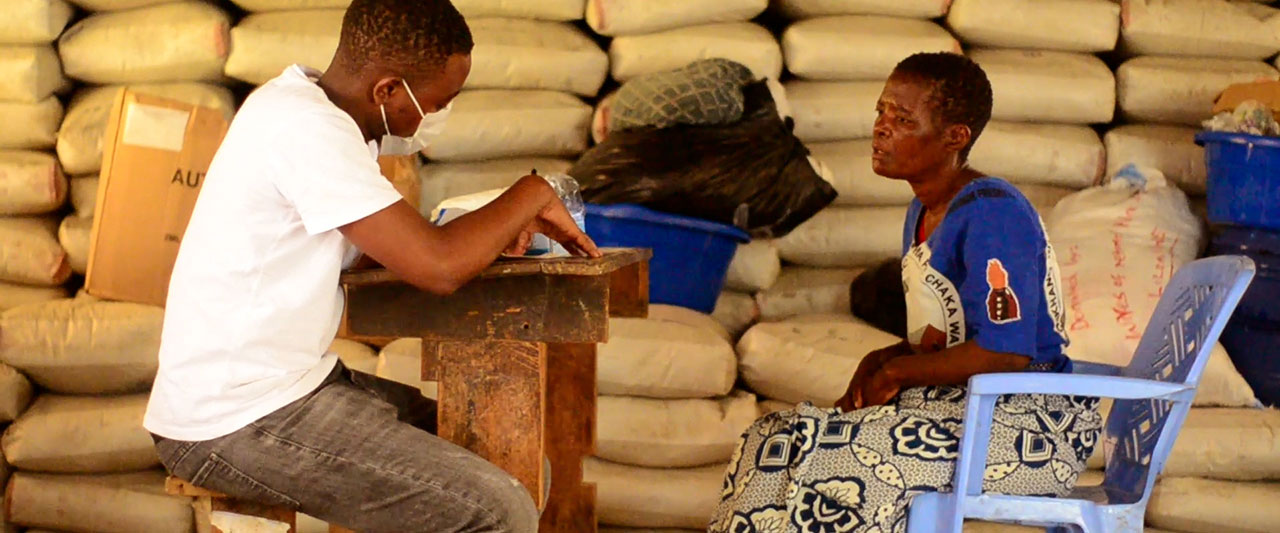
<point>961,93</point>
<point>415,35</point>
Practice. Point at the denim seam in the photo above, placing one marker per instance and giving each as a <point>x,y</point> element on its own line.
<point>216,460</point>
<point>401,475</point>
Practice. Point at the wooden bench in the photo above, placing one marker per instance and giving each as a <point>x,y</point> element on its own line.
<point>207,502</point>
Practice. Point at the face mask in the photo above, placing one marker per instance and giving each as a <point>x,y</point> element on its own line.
<point>428,129</point>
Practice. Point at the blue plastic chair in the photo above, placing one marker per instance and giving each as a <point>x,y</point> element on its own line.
<point>1153,395</point>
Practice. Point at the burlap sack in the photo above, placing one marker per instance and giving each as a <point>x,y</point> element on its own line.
<point>31,183</point>
<point>665,357</point>
<point>736,312</point>
<point>807,291</point>
<point>81,435</point>
<point>30,125</point>
<point>755,267</point>
<point>30,73</point>
<point>16,295</point>
<point>15,393</point>
<point>121,46</point>
<point>30,253</point>
<point>1195,505</point>
<point>654,497</point>
<point>83,346</point>
<point>355,355</point>
<point>808,358</point>
<point>33,21</point>
<point>112,503</point>
<point>671,433</point>
<point>84,195</point>
<point>73,235</point>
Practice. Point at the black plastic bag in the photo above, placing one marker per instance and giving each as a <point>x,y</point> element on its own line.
<point>710,172</point>
<point>876,296</point>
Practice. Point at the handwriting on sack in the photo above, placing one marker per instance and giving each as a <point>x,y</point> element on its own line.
<point>1125,311</point>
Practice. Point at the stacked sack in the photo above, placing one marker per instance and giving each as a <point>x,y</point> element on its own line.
<point>840,54</point>
<point>80,452</point>
<point>1048,88</point>
<point>668,415</point>
<point>523,105</point>
<point>652,36</point>
<point>1180,55</point>
<point>112,48</point>
<point>32,184</point>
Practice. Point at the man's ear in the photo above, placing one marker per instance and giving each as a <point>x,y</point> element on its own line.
<point>384,88</point>
<point>956,137</point>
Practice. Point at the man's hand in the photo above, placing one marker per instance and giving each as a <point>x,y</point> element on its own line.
<point>867,369</point>
<point>555,222</point>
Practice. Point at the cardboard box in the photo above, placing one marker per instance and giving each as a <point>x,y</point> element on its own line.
<point>1267,92</point>
<point>155,156</point>
<point>402,171</point>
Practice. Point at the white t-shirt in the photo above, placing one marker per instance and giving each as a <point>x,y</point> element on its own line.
<point>254,301</point>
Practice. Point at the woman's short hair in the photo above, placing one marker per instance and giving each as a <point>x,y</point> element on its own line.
<point>961,93</point>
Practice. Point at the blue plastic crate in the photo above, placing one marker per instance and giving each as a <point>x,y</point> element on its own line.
<point>690,256</point>
<point>1244,178</point>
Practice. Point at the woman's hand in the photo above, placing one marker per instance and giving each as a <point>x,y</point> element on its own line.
<point>878,390</point>
<point>867,369</point>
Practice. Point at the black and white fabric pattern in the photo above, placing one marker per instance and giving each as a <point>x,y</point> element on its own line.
<point>815,470</point>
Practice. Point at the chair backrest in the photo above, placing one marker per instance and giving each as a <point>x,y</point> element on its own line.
<point>1191,314</point>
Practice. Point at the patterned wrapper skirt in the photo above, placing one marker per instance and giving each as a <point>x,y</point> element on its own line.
<point>814,470</point>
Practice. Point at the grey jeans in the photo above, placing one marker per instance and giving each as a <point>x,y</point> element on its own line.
<point>360,452</point>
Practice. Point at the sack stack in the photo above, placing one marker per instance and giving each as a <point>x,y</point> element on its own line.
<point>651,36</point>
<point>1048,89</point>
<point>523,105</point>
<point>838,54</point>
<point>32,184</point>
<point>1180,55</point>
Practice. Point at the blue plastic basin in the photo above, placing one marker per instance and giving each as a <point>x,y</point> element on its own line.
<point>690,256</point>
<point>1244,178</point>
<point>1261,303</point>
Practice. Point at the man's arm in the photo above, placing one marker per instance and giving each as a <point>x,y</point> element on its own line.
<point>440,259</point>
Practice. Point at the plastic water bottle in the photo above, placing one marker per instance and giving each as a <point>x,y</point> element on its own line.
<point>570,194</point>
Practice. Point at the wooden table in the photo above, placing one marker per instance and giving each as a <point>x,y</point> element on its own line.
<point>514,352</point>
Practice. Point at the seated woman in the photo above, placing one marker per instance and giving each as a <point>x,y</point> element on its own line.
<point>983,296</point>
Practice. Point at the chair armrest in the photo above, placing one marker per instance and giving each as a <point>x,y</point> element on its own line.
<point>1094,369</point>
<point>1080,385</point>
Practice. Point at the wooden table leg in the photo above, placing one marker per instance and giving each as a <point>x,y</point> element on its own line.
<point>570,436</point>
<point>492,403</point>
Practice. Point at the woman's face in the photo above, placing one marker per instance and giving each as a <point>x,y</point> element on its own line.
<point>909,141</point>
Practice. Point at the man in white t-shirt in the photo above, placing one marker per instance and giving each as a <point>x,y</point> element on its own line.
<point>247,401</point>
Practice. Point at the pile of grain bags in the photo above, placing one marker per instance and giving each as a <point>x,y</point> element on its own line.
<point>523,106</point>
<point>80,454</point>
<point>1181,55</point>
<point>650,36</point>
<point>111,48</point>
<point>840,54</point>
<point>32,184</point>
<point>1048,89</point>
<point>668,419</point>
